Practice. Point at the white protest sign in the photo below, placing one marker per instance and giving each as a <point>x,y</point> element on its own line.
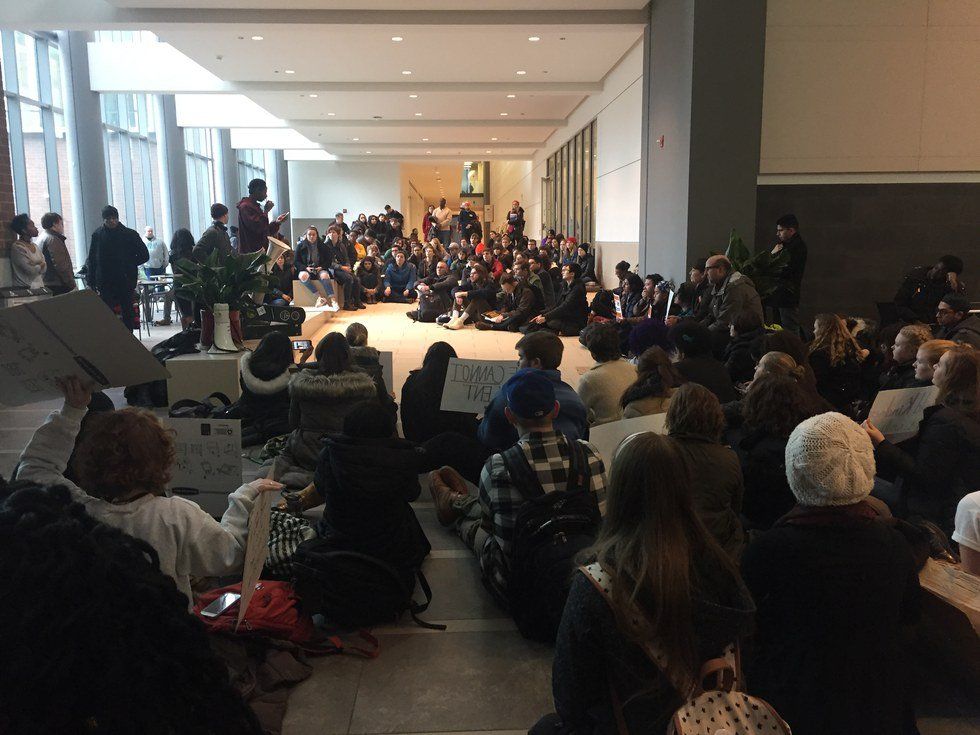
<point>256,549</point>
<point>606,438</point>
<point>209,465</point>
<point>387,370</point>
<point>74,334</point>
<point>618,303</point>
<point>897,413</point>
<point>471,384</point>
<point>670,303</point>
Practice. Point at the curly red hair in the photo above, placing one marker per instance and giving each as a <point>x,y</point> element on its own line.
<point>123,451</point>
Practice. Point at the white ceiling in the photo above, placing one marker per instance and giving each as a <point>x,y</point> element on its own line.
<point>385,4</point>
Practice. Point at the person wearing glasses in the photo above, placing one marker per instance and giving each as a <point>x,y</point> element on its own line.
<point>956,323</point>
<point>731,294</point>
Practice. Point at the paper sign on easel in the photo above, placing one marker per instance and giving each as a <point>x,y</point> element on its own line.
<point>897,413</point>
<point>606,438</point>
<point>471,384</point>
<point>74,334</point>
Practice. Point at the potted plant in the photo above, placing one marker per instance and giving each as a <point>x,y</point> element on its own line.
<point>222,284</point>
<point>763,267</point>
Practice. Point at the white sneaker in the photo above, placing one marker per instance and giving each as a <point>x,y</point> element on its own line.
<point>320,302</point>
<point>456,323</point>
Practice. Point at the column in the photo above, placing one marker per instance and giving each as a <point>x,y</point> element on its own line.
<point>172,162</point>
<point>277,178</point>
<point>228,186</point>
<point>86,151</point>
<point>702,122</point>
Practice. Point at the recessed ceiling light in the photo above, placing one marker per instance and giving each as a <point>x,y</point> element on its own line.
<point>418,114</point>
<point>413,96</point>
<point>521,73</point>
<point>256,38</point>
<point>396,39</point>
<point>368,152</point>
<point>290,71</point>
<point>503,114</point>
<point>314,96</point>
<point>331,114</point>
<point>534,38</point>
<point>425,140</point>
<point>493,139</point>
<point>438,179</point>
<point>511,96</point>
<point>406,72</point>
<point>428,151</point>
<point>355,139</point>
<point>489,151</point>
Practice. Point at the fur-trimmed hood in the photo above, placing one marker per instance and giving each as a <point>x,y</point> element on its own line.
<point>257,385</point>
<point>315,386</point>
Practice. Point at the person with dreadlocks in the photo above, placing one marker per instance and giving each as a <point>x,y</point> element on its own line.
<point>123,465</point>
<point>99,640</point>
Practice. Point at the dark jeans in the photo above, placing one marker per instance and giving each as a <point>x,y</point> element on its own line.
<point>351,287</point>
<point>463,453</point>
<point>125,299</point>
<point>563,327</point>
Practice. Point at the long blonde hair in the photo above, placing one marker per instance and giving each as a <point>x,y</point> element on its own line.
<point>779,363</point>
<point>651,543</point>
<point>831,334</point>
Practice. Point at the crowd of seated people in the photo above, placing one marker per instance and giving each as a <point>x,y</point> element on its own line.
<point>770,510</point>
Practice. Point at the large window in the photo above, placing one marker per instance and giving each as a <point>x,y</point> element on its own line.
<point>200,145</point>
<point>130,150</point>
<point>34,92</point>
<point>251,165</point>
<point>569,189</point>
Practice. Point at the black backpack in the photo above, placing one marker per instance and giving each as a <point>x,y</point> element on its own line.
<point>355,590</point>
<point>154,393</point>
<point>430,306</point>
<point>549,532</point>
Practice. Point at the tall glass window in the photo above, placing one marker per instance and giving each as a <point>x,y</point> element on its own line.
<point>571,187</point>
<point>200,145</point>
<point>132,176</point>
<point>34,94</point>
<point>251,165</point>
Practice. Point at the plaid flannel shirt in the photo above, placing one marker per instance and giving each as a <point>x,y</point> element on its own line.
<point>547,453</point>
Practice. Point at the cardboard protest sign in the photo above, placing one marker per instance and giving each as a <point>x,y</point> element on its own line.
<point>618,304</point>
<point>471,384</point>
<point>74,334</point>
<point>256,549</point>
<point>897,413</point>
<point>606,438</point>
<point>670,303</point>
<point>209,465</point>
<point>957,587</point>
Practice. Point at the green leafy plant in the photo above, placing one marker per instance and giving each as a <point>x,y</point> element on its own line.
<point>223,279</point>
<point>762,267</point>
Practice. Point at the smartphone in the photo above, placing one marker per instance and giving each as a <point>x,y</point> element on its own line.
<point>302,344</point>
<point>222,604</point>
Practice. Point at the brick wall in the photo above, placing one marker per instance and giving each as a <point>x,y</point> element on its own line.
<point>6,184</point>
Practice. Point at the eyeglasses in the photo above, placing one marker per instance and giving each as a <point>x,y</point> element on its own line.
<point>944,312</point>
<point>713,267</point>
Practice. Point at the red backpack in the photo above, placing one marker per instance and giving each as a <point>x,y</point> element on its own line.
<point>274,613</point>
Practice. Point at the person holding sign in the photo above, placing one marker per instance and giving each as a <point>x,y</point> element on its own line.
<point>123,466</point>
<point>942,463</point>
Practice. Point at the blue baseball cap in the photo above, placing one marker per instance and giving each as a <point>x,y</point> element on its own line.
<point>529,394</point>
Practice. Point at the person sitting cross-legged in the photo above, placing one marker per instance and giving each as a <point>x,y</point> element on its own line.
<point>515,305</point>
<point>486,523</point>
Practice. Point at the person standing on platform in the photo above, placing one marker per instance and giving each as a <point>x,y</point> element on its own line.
<point>156,265</point>
<point>114,256</point>
<point>443,223</point>
<point>216,236</point>
<point>60,273</point>
<point>254,227</point>
<point>784,303</point>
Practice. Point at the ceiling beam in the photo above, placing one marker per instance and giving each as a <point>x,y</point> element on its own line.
<point>498,122</point>
<point>542,88</point>
<point>426,159</point>
<point>434,147</point>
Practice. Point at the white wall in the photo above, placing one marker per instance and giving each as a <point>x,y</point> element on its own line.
<point>617,111</point>
<point>319,189</point>
<point>871,86</point>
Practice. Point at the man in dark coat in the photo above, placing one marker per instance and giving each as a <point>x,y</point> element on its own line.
<point>254,228</point>
<point>924,287</point>
<point>216,237</point>
<point>956,322</point>
<point>784,302</point>
<point>114,256</point>
<point>342,267</point>
<point>571,310</point>
<point>515,305</point>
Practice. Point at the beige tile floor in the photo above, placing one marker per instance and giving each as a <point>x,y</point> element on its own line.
<point>478,676</point>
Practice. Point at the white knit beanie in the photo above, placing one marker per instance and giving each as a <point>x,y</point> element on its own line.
<point>829,461</point>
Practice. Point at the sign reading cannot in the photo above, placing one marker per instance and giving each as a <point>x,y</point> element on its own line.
<point>471,384</point>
